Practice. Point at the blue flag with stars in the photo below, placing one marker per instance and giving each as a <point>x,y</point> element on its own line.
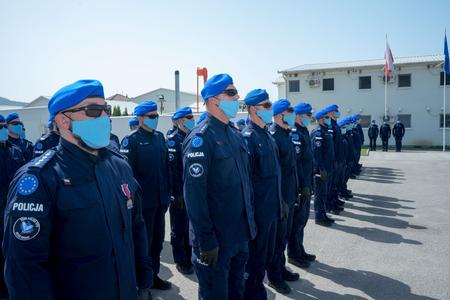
<point>446,59</point>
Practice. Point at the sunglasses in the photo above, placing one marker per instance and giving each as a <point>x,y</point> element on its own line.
<point>92,110</point>
<point>189,117</point>
<point>3,126</point>
<point>230,92</point>
<point>290,110</point>
<point>151,116</point>
<point>265,105</point>
<point>15,123</point>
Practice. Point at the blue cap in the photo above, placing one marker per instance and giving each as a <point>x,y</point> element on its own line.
<point>342,123</point>
<point>320,114</point>
<point>2,119</point>
<point>247,120</point>
<point>280,105</point>
<point>331,108</point>
<point>181,113</point>
<point>216,85</point>
<point>352,119</point>
<point>50,121</point>
<point>256,96</point>
<point>302,108</point>
<point>202,117</point>
<point>73,94</point>
<point>357,116</point>
<point>133,121</point>
<point>11,117</point>
<point>145,107</point>
<point>240,122</point>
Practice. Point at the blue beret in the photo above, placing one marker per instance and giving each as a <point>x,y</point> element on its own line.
<point>73,94</point>
<point>247,120</point>
<point>256,96</point>
<point>331,108</point>
<point>352,119</point>
<point>133,121</point>
<point>145,107</point>
<point>280,105</point>
<point>240,122</point>
<point>216,85</point>
<point>11,117</point>
<point>202,117</point>
<point>320,114</point>
<point>357,116</point>
<point>342,123</point>
<point>50,121</point>
<point>2,119</point>
<point>182,112</point>
<point>302,108</point>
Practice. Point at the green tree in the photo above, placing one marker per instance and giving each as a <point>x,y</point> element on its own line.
<point>125,112</point>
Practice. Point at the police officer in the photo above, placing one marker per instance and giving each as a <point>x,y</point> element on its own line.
<point>114,142</point>
<point>10,160</point>
<point>347,133</point>
<point>172,129</point>
<point>217,193</point>
<point>147,154</point>
<point>398,131</point>
<point>373,135</point>
<point>179,222</point>
<point>385,134</point>
<point>240,124</point>
<point>304,161</point>
<point>284,117</point>
<point>323,153</point>
<point>133,123</point>
<point>73,223</point>
<point>358,139</point>
<point>48,140</point>
<point>16,133</point>
<point>267,199</point>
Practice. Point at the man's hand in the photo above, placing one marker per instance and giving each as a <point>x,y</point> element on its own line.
<point>210,257</point>
<point>323,175</point>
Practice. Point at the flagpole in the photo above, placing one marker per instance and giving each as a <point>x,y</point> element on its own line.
<point>444,116</point>
<point>385,95</point>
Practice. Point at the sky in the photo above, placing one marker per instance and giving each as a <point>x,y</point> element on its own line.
<point>135,46</point>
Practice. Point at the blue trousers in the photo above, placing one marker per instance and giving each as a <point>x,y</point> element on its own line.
<point>226,280</point>
<point>320,197</point>
<point>179,235</point>
<point>300,219</point>
<point>155,226</point>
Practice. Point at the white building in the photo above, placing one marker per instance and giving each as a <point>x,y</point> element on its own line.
<point>414,93</point>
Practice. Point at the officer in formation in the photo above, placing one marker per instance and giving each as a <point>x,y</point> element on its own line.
<point>359,141</point>
<point>398,131</point>
<point>179,222</point>
<point>218,194</point>
<point>48,140</point>
<point>240,124</point>
<point>284,117</point>
<point>372,132</point>
<point>16,132</point>
<point>350,155</point>
<point>133,123</point>
<point>147,154</point>
<point>385,134</point>
<point>73,218</point>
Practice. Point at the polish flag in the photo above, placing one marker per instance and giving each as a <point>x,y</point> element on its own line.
<point>389,60</point>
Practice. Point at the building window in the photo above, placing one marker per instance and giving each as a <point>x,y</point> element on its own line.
<point>447,121</point>
<point>365,82</point>
<point>405,119</point>
<point>328,84</point>
<point>404,80</point>
<point>365,121</point>
<point>447,79</point>
<point>294,86</point>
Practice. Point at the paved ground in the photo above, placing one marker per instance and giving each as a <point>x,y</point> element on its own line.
<point>391,242</point>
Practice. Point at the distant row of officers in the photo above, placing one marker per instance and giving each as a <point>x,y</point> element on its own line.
<point>85,218</point>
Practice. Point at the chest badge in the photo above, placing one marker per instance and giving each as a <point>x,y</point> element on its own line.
<point>127,193</point>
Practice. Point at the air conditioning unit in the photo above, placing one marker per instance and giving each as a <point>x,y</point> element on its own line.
<point>313,82</point>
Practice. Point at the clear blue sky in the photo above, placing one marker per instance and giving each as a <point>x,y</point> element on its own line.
<point>135,46</point>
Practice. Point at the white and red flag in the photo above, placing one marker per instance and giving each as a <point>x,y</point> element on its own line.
<point>389,59</point>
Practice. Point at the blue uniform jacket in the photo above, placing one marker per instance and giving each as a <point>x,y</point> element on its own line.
<point>304,155</point>
<point>385,131</point>
<point>217,186</point>
<point>361,132</point>
<point>357,139</point>
<point>372,132</point>
<point>148,157</point>
<point>323,152</point>
<point>74,228</point>
<point>265,174</point>
<point>175,145</point>
<point>337,142</point>
<point>45,142</point>
<point>398,131</point>
<point>24,145</point>
<point>288,163</point>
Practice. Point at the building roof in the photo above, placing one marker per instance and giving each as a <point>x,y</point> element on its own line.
<point>437,58</point>
<point>118,97</point>
<point>38,101</point>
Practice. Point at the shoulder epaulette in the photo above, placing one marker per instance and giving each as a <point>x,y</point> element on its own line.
<point>39,163</point>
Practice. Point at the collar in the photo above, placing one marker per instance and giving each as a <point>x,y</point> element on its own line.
<point>285,130</point>
<point>79,154</point>
<point>256,127</point>
<point>213,121</point>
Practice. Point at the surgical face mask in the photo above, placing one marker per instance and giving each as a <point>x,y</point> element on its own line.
<point>306,121</point>
<point>3,134</point>
<point>327,121</point>
<point>349,128</point>
<point>189,124</point>
<point>151,123</point>
<point>22,134</point>
<point>17,129</point>
<point>343,130</point>
<point>229,107</point>
<point>265,115</point>
<point>94,132</point>
<point>289,119</point>
<point>337,115</point>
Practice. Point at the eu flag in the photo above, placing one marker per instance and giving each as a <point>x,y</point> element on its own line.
<point>446,59</point>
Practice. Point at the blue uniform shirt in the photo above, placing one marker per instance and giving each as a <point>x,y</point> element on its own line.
<point>217,187</point>
<point>74,228</point>
<point>45,142</point>
<point>148,156</point>
<point>322,145</point>
<point>304,155</point>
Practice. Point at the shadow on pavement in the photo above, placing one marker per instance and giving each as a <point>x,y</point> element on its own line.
<point>381,175</point>
<point>380,220</point>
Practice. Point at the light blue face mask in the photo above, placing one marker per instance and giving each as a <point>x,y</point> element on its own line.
<point>229,107</point>
<point>189,124</point>
<point>289,119</point>
<point>3,134</point>
<point>337,115</point>
<point>306,121</point>
<point>17,129</point>
<point>151,123</point>
<point>95,132</point>
<point>22,134</point>
<point>343,130</point>
<point>265,115</point>
<point>349,128</point>
<point>327,121</point>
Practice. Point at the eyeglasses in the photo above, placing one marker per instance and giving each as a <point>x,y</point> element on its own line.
<point>15,123</point>
<point>290,110</point>
<point>151,116</point>
<point>190,117</point>
<point>265,105</point>
<point>3,126</point>
<point>230,92</point>
<point>92,110</point>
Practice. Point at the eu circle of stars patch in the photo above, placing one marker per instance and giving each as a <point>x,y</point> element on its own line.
<point>27,185</point>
